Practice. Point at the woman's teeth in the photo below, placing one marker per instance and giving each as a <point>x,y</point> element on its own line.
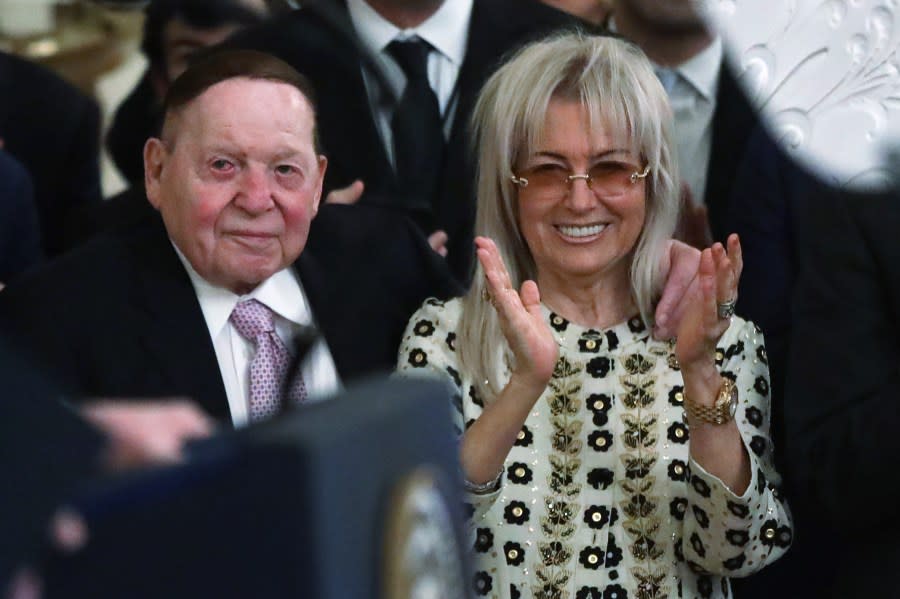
<point>580,231</point>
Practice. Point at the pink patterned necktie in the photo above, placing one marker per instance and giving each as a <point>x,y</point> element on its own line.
<point>254,321</point>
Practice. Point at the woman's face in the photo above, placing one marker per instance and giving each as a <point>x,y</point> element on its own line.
<point>576,231</point>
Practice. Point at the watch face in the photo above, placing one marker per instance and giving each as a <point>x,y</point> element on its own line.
<point>733,401</point>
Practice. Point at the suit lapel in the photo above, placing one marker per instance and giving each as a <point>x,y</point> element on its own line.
<point>326,311</point>
<point>171,327</point>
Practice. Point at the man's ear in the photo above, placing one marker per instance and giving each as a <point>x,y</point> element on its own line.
<point>155,154</point>
<point>323,165</point>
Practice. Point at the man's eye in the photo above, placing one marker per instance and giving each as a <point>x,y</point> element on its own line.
<point>285,169</point>
<point>220,164</point>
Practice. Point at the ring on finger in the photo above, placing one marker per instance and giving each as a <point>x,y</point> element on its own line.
<point>725,310</point>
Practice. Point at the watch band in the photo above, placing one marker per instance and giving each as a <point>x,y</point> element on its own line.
<point>718,413</point>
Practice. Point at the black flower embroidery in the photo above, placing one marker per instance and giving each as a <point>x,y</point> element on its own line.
<point>588,593</point>
<point>614,591</point>
<point>599,367</point>
<point>735,563</point>
<point>600,440</point>
<point>418,358</point>
<point>754,416</point>
<point>590,342</point>
<point>758,444</point>
<point>613,554</point>
<point>514,553</point>
<point>454,375</point>
<point>677,507</point>
<point>738,538</point>
<point>676,396</point>
<point>596,516</point>
<point>516,512</point>
<point>738,509</point>
<point>424,328</point>
<point>591,557</point>
<point>558,322</point>
<point>761,384</point>
<point>524,438</point>
<point>483,584</point>
<point>773,535</point>
<point>700,486</point>
<point>612,340</point>
<point>613,516</point>
<point>600,419</point>
<point>519,473</point>
<point>451,341</point>
<point>600,478</point>
<point>636,325</point>
<point>734,349</point>
<point>704,586</point>
<point>697,545</point>
<point>701,517</point>
<point>678,433</point>
<point>678,470</point>
<point>484,540</point>
<point>762,355</point>
<point>514,592</point>
<point>599,403</point>
<point>475,397</point>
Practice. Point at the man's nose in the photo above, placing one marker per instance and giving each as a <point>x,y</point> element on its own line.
<point>255,193</point>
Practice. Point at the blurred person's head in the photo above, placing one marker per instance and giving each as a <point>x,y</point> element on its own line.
<point>405,13</point>
<point>592,11</point>
<point>174,30</point>
<point>236,173</point>
<point>577,177</point>
<point>669,31</point>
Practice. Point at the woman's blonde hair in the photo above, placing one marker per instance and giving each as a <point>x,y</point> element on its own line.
<point>615,82</point>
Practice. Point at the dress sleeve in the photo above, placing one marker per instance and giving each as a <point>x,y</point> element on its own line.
<point>735,535</point>
<point>428,349</point>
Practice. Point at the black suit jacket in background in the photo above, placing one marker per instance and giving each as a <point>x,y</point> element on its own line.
<point>733,122</point>
<point>54,130</point>
<point>323,48</point>
<point>843,389</point>
<point>118,317</point>
<point>20,233</point>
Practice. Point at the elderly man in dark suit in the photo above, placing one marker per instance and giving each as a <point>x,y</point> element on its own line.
<point>396,82</point>
<point>205,303</point>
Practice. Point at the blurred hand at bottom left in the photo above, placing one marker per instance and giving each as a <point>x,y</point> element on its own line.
<point>140,434</point>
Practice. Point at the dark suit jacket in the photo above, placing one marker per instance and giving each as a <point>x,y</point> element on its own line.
<point>733,121</point>
<point>324,49</point>
<point>118,317</point>
<point>20,234</point>
<point>54,130</point>
<point>843,387</point>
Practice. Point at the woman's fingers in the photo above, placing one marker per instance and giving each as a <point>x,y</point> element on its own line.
<point>726,282</point>
<point>737,256</point>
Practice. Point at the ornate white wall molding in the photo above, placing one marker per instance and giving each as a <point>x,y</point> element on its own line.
<point>826,74</point>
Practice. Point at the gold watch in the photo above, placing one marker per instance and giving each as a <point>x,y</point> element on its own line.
<point>720,412</point>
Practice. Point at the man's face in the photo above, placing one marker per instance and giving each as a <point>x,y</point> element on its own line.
<point>669,16</point>
<point>237,180</point>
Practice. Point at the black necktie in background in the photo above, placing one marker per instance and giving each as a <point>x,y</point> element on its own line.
<point>417,127</point>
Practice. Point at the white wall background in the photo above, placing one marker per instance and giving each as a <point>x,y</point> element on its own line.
<point>826,74</point>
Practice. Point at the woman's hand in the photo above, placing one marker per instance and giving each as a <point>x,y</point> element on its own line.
<point>700,327</point>
<point>521,320</point>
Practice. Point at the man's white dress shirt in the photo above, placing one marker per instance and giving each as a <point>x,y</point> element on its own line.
<point>283,295</point>
<point>447,30</point>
